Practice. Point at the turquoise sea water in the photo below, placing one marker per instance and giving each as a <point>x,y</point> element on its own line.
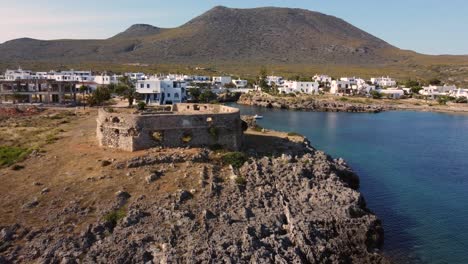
<point>413,168</point>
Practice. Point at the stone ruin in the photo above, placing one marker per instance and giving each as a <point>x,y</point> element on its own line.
<point>179,125</point>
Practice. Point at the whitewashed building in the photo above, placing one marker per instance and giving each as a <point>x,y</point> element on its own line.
<point>105,79</point>
<point>384,81</point>
<point>19,74</point>
<point>240,83</point>
<point>341,87</point>
<point>322,78</point>
<point>221,80</point>
<point>136,76</point>
<point>277,80</point>
<point>162,92</point>
<point>459,93</point>
<point>301,87</point>
<point>392,93</point>
<point>434,91</point>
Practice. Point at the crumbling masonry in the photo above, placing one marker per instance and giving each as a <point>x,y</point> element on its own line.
<point>180,125</point>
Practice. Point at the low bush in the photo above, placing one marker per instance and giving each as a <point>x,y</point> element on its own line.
<point>294,134</point>
<point>115,216</point>
<point>461,100</point>
<point>11,155</point>
<point>236,159</point>
<point>141,106</point>
<point>241,181</point>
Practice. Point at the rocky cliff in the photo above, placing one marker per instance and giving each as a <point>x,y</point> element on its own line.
<point>298,207</point>
<point>308,104</point>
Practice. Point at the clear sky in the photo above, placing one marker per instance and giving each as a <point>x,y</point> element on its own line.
<point>426,26</point>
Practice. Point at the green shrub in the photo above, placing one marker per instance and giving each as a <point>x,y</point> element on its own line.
<point>294,134</point>
<point>214,132</point>
<point>343,99</point>
<point>375,94</point>
<point>11,155</point>
<point>186,137</point>
<point>141,106</point>
<point>115,216</point>
<point>236,159</point>
<point>216,147</point>
<point>461,100</point>
<point>241,181</point>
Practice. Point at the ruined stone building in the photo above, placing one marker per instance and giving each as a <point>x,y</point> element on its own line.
<point>179,125</point>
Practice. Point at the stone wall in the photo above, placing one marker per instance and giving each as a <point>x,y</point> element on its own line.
<point>193,125</point>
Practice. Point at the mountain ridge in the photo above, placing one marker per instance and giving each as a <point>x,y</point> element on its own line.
<point>222,35</point>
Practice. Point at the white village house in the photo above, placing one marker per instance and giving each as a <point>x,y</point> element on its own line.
<point>384,81</point>
<point>392,93</point>
<point>299,87</point>
<point>277,80</point>
<point>240,83</point>
<point>434,91</point>
<point>459,93</point>
<point>322,78</point>
<point>221,80</point>
<point>162,92</point>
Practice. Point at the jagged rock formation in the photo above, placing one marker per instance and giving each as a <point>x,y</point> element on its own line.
<point>308,104</point>
<point>301,207</point>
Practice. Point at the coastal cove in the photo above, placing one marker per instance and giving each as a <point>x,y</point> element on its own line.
<point>412,167</point>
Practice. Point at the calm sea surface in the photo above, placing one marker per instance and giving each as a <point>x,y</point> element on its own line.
<point>413,168</point>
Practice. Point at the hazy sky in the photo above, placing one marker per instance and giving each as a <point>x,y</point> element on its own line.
<point>426,26</point>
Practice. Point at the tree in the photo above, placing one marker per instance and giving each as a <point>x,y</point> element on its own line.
<point>375,94</point>
<point>194,93</point>
<point>435,81</point>
<point>126,89</point>
<point>99,96</point>
<point>229,85</point>
<point>262,82</point>
<point>412,83</point>
<point>416,89</point>
<point>207,96</point>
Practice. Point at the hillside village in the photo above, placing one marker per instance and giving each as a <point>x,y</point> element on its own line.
<point>25,86</point>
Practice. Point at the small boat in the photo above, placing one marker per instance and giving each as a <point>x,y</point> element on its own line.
<point>258,117</point>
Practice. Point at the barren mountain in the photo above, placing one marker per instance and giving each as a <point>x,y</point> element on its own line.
<point>267,35</point>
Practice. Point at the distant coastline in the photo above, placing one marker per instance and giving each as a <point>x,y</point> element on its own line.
<point>347,104</point>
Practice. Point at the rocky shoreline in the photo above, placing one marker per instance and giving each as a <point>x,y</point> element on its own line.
<point>298,207</point>
<point>265,100</point>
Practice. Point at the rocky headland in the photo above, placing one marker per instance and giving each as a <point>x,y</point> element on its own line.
<point>309,104</point>
<point>280,201</point>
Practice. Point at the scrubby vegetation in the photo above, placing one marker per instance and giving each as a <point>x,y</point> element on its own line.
<point>115,216</point>
<point>294,134</point>
<point>11,155</point>
<point>236,159</point>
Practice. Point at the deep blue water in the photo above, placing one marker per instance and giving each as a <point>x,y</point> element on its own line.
<point>413,168</point>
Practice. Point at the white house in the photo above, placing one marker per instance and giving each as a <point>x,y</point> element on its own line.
<point>301,87</point>
<point>278,80</point>
<point>221,80</point>
<point>240,83</point>
<point>434,91</point>
<point>136,76</point>
<point>322,78</point>
<point>384,81</point>
<point>105,79</point>
<point>19,74</point>
<point>392,93</point>
<point>162,92</point>
<point>459,93</point>
<point>341,87</point>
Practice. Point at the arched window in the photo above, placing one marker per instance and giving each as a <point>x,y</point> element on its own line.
<point>176,95</point>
